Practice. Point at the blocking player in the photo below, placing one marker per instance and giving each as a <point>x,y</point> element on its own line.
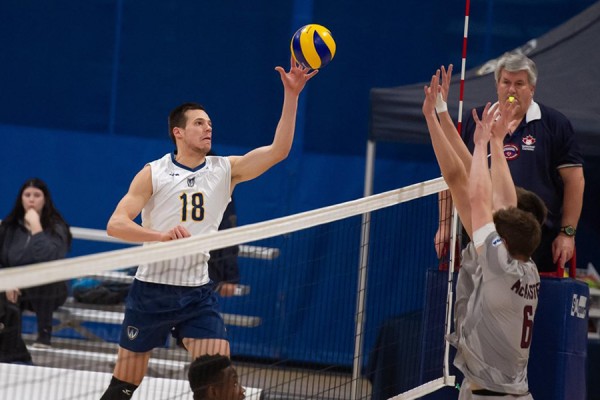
<point>498,283</point>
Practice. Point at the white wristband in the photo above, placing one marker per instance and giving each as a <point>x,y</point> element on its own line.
<point>440,105</point>
<point>482,233</point>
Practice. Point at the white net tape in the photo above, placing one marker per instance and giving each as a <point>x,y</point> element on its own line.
<point>37,274</point>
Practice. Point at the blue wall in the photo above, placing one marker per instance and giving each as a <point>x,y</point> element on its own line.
<point>86,88</point>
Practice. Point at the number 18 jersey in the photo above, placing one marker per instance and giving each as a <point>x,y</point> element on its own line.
<point>194,198</point>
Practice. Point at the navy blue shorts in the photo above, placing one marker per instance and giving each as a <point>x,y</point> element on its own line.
<point>153,311</point>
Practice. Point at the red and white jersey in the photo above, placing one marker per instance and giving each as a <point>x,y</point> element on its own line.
<point>495,332</point>
<point>194,198</point>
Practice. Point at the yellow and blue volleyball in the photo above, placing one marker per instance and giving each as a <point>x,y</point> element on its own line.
<point>313,46</point>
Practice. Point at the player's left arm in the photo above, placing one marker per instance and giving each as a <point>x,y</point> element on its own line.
<point>257,161</point>
<point>574,183</point>
<point>480,182</point>
<point>504,194</point>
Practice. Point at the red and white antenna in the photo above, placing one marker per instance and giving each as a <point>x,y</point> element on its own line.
<point>463,67</point>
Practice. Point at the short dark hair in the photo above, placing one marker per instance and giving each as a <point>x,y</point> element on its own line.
<point>520,230</point>
<point>205,371</point>
<point>529,201</point>
<point>178,119</point>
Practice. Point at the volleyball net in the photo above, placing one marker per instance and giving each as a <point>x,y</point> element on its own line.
<point>334,303</point>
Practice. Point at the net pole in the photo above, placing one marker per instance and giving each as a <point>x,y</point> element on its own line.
<point>361,297</point>
<point>455,220</point>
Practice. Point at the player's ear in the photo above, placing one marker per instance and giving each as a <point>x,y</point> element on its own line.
<point>212,392</point>
<point>177,132</point>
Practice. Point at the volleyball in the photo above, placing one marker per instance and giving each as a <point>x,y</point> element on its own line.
<point>313,46</point>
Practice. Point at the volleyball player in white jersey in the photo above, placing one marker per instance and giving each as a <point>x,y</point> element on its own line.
<point>498,283</point>
<point>182,194</point>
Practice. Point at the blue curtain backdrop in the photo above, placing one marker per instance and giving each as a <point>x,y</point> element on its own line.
<point>87,87</point>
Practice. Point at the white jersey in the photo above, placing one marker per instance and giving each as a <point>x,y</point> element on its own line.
<point>194,198</point>
<point>495,333</point>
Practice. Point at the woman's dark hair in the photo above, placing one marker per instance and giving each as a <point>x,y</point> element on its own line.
<point>49,218</point>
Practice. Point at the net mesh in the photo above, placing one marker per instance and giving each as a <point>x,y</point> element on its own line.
<point>334,303</point>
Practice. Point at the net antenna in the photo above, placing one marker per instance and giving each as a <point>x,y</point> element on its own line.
<point>447,379</point>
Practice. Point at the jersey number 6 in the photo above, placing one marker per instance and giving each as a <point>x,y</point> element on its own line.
<point>527,327</point>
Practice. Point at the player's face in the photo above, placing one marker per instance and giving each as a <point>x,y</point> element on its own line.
<point>515,84</point>
<point>231,389</point>
<point>197,133</point>
<point>33,198</point>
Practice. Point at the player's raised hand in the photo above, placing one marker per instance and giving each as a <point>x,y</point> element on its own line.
<point>505,122</point>
<point>295,79</point>
<point>446,78</point>
<point>483,126</point>
<point>431,93</point>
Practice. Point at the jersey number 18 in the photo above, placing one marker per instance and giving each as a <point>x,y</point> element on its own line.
<point>196,209</point>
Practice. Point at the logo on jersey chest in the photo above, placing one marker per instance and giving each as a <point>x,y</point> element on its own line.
<point>191,181</point>
<point>511,151</point>
<point>528,143</point>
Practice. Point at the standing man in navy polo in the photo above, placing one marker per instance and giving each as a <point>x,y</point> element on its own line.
<point>543,157</point>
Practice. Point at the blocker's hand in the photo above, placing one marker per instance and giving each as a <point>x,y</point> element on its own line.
<point>483,126</point>
<point>295,79</point>
<point>431,94</point>
<point>446,78</point>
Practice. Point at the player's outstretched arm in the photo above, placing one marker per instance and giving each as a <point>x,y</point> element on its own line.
<point>480,183</point>
<point>446,121</point>
<point>503,187</point>
<point>443,233</point>
<point>257,161</point>
<point>452,167</point>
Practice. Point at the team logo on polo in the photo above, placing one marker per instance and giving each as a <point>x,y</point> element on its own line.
<point>528,143</point>
<point>191,181</point>
<point>497,241</point>
<point>132,332</point>
<point>511,151</point>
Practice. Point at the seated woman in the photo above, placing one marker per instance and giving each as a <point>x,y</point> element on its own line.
<point>34,231</point>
